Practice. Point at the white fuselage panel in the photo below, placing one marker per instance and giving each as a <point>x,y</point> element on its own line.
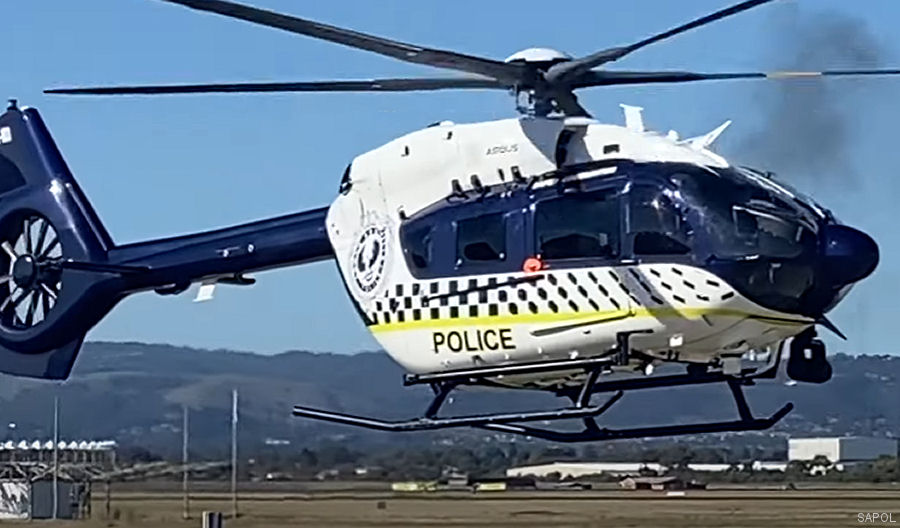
<point>431,325</point>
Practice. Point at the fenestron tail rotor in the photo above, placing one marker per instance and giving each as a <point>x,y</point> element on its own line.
<point>547,80</point>
<point>33,282</point>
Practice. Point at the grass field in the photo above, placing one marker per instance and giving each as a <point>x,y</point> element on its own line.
<point>713,508</point>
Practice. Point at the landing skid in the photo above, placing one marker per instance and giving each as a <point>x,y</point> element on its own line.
<point>444,383</point>
<point>593,433</point>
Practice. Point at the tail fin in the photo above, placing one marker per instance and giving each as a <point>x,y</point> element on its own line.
<point>60,271</point>
<point>44,218</point>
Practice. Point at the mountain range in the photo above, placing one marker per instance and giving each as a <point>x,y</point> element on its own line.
<point>134,393</point>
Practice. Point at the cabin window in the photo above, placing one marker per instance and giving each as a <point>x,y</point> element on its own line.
<point>420,245</point>
<point>578,226</point>
<point>481,239</point>
<point>654,224</point>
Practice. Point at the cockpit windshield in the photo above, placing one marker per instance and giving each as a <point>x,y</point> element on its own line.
<point>746,215</point>
<point>813,210</point>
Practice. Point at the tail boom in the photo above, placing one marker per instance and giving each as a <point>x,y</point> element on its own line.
<point>65,273</point>
<point>177,262</point>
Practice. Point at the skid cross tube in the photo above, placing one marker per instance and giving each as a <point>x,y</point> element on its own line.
<point>441,389</point>
<point>593,433</point>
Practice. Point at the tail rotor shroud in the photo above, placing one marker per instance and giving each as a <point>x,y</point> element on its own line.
<point>33,283</point>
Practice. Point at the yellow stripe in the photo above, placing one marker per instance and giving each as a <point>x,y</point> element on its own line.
<point>656,313</point>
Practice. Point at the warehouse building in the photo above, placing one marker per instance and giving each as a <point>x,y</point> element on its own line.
<point>625,469</point>
<point>841,450</point>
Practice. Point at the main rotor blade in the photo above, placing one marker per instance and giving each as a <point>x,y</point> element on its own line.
<point>566,71</point>
<point>398,50</point>
<point>375,85</point>
<point>614,78</point>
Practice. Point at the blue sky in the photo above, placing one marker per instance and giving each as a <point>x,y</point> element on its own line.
<point>160,166</point>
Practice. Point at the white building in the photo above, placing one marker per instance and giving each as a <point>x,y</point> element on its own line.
<point>840,450</point>
<point>622,469</point>
<point>769,466</point>
<point>581,469</point>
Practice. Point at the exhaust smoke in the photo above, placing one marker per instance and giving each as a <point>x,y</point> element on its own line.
<point>807,124</point>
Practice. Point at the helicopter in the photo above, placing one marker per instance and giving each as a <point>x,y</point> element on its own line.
<point>547,252</point>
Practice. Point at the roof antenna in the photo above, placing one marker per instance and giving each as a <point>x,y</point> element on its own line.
<point>478,186</point>
<point>13,104</point>
<point>457,189</point>
<point>634,119</point>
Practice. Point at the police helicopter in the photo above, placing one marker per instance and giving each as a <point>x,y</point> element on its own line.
<point>547,252</point>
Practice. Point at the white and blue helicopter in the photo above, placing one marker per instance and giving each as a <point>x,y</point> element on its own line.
<point>548,252</point>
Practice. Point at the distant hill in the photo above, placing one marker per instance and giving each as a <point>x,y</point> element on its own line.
<point>134,393</point>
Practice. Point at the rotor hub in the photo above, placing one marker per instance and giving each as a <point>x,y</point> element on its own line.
<point>539,55</point>
<point>25,271</point>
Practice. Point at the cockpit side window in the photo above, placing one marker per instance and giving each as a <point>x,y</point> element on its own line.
<point>654,224</point>
<point>577,226</point>
<point>454,238</point>
<point>481,239</point>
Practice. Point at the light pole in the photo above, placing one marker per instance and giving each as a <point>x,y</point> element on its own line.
<point>56,456</point>
<point>234,424</point>
<point>184,462</point>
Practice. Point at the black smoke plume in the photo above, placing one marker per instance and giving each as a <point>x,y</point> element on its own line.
<point>807,124</point>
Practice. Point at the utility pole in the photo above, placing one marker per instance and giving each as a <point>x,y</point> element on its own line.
<point>234,424</point>
<point>56,456</point>
<point>186,514</point>
<point>108,498</point>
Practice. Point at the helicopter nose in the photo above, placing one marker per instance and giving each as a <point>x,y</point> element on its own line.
<point>848,254</point>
